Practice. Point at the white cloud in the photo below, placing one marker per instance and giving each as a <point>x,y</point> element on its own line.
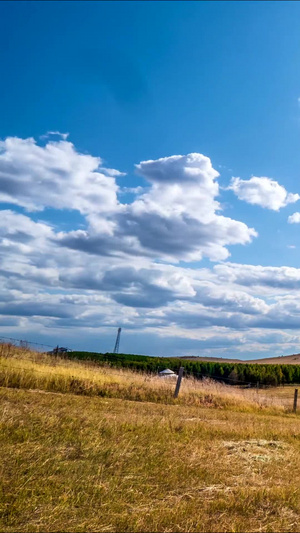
<point>179,214</point>
<point>262,191</point>
<point>286,278</point>
<point>54,175</point>
<point>64,136</point>
<point>212,311</point>
<point>294,219</point>
<point>177,218</point>
<point>107,274</point>
<point>19,234</point>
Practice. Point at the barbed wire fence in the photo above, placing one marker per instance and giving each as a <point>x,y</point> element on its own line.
<point>37,346</point>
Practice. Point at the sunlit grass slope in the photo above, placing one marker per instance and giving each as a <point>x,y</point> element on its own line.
<point>31,370</point>
<point>75,463</point>
<point>219,459</point>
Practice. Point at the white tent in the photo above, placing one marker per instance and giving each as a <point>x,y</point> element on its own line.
<point>167,373</point>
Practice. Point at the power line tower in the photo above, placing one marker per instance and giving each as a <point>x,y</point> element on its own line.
<point>117,344</point>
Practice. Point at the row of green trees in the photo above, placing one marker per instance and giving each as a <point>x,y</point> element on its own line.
<point>230,373</point>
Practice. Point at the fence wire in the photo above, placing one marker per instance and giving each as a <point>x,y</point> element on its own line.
<point>24,343</point>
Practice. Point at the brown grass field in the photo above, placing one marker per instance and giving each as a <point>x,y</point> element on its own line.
<point>85,448</point>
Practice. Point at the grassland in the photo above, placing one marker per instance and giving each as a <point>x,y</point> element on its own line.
<point>282,371</point>
<point>116,453</point>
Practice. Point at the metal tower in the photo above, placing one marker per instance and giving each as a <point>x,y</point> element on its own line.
<point>116,348</point>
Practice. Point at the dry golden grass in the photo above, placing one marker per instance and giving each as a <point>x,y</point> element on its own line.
<point>72,462</point>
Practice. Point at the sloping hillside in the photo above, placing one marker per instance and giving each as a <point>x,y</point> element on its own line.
<point>282,360</point>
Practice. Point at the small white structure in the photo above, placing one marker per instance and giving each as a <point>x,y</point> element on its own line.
<point>167,373</point>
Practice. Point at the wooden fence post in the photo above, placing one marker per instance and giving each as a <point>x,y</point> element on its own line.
<point>178,383</point>
<point>295,400</point>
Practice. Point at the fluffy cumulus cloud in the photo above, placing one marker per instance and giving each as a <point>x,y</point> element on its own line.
<point>122,268</point>
<point>176,218</point>
<point>294,218</point>
<point>262,191</point>
<point>54,175</point>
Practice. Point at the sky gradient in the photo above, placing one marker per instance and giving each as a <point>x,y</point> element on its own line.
<point>149,176</point>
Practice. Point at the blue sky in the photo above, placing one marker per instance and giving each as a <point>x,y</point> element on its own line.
<point>186,261</point>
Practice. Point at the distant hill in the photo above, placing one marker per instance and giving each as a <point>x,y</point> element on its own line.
<point>293,359</point>
<point>282,360</point>
<point>212,359</point>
